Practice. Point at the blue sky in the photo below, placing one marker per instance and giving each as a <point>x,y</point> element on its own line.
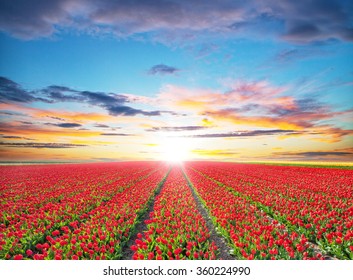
<point>113,64</point>
<point>274,76</point>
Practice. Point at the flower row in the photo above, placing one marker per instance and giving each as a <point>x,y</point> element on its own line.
<point>81,195</point>
<point>250,233</point>
<point>316,202</point>
<point>175,229</point>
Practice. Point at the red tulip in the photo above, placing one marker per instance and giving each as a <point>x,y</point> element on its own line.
<point>18,257</point>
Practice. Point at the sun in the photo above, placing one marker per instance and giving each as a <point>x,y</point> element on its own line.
<point>174,149</point>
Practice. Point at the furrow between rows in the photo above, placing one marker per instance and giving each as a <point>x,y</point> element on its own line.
<point>175,228</point>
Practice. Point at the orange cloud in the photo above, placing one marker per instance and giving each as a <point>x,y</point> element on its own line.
<point>195,99</point>
<point>240,93</point>
<point>77,117</point>
<point>66,115</point>
<point>330,134</point>
<point>286,102</point>
<point>214,153</point>
<point>40,132</point>
<point>269,122</point>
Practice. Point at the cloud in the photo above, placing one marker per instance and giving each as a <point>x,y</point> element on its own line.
<point>71,116</point>
<point>122,110</point>
<point>41,145</point>
<point>162,69</point>
<point>59,94</point>
<point>112,102</point>
<point>303,31</point>
<point>313,21</point>
<point>55,118</point>
<point>259,104</point>
<point>102,99</point>
<point>240,92</point>
<point>175,128</point>
<point>15,137</point>
<point>214,153</point>
<point>245,133</point>
<point>66,94</point>
<point>12,137</point>
<point>11,113</point>
<point>330,134</point>
<point>337,154</point>
<point>181,21</point>
<point>115,134</point>
<point>286,56</point>
<point>31,20</point>
<point>65,125</point>
<point>314,154</point>
<point>205,50</point>
<point>99,125</point>
<point>39,132</point>
<point>13,92</point>
<point>264,120</point>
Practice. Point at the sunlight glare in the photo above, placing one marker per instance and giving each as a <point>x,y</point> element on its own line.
<point>174,149</point>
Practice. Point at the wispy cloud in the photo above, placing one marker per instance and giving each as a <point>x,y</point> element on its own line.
<point>100,125</point>
<point>15,137</point>
<point>290,55</point>
<point>40,131</point>
<point>176,128</point>
<point>162,69</point>
<point>116,134</point>
<point>240,92</point>
<point>314,154</point>
<point>65,125</point>
<point>245,133</point>
<point>214,153</point>
<point>330,134</point>
<point>41,145</point>
<point>336,154</point>
<point>259,104</point>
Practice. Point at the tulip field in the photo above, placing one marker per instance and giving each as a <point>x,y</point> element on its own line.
<point>164,211</point>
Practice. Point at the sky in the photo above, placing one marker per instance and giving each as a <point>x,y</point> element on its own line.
<point>176,80</point>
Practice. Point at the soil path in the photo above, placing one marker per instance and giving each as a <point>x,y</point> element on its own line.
<point>223,248</point>
<point>141,226</point>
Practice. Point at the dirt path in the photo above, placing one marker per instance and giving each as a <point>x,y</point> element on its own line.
<point>223,248</point>
<point>141,226</point>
